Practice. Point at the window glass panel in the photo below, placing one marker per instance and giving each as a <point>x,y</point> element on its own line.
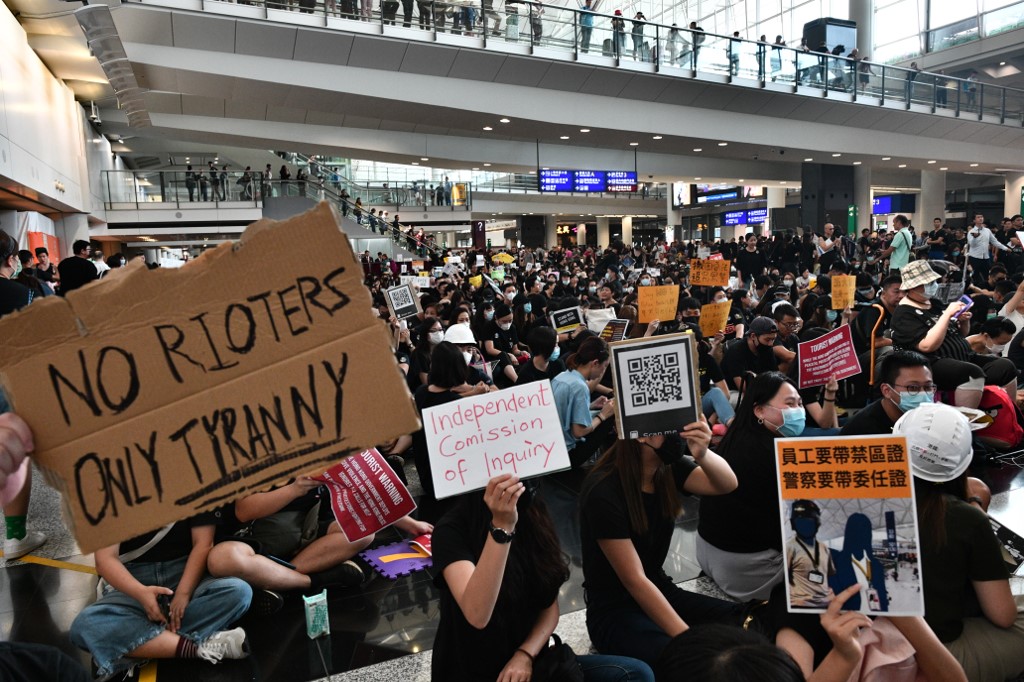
<point>996,4</point>
<point>896,21</point>
<point>900,50</point>
<point>943,13</point>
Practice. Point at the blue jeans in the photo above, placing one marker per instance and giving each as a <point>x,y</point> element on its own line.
<point>715,402</point>
<point>116,624</point>
<point>600,668</point>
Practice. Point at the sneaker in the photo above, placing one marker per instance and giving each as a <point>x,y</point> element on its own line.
<point>224,644</point>
<point>14,549</point>
<point>265,603</point>
<point>348,574</point>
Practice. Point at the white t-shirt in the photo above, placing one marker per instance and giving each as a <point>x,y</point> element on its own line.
<point>1016,318</point>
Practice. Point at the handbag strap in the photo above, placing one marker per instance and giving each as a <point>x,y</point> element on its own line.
<point>139,551</point>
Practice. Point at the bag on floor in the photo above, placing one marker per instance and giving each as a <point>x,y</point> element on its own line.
<point>557,663</point>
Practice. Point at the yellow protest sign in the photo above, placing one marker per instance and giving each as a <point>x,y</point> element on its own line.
<point>658,303</point>
<point>714,317</point>
<point>843,287</point>
<point>709,273</point>
<point>476,280</point>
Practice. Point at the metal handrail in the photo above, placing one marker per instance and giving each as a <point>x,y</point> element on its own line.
<point>684,51</point>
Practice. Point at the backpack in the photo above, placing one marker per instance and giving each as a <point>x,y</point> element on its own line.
<point>1005,431</point>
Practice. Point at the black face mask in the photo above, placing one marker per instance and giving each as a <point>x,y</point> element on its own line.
<point>672,450</point>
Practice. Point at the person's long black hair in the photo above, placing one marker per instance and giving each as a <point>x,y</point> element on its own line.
<point>759,391</point>
<point>536,566</point>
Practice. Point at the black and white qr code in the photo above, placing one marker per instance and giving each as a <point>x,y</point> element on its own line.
<point>401,299</point>
<point>654,381</point>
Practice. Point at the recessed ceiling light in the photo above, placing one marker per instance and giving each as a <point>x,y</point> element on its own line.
<point>415,163</point>
<point>584,130</point>
<point>741,180</point>
<point>944,168</point>
<point>634,144</point>
<point>974,165</point>
<point>564,137</point>
<point>932,161</point>
<point>886,158</point>
<point>696,178</point>
<point>487,164</point>
<point>856,163</point>
<point>476,169</point>
<point>488,128</point>
<point>903,165</point>
<point>782,182</point>
<point>836,155</point>
<point>723,144</point>
<point>698,150</point>
<point>1002,63</point>
<point>533,172</point>
<point>504,120</point>
<point>423,158</point>
<point>808,160</point>
<point>656,137</point>
<point>545,168</point>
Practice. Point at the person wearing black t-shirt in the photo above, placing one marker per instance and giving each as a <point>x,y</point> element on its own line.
<point>501,343</point>
<point>498,566</point>
<point>628,510</point>
<point>77,271</point>
<point>544,364</point>
<point>750,262</point>
<point>905,382</point>
<point>753,354</point>
<point>159,603</point>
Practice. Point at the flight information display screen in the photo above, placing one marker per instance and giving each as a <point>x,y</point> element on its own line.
<point>556,181</point>
<point>621,181</point>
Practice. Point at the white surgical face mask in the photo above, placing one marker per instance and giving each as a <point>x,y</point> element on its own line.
<point>436,337</point>
<point>505,327</point>
<point>788,282</point>
<point>468,356</point>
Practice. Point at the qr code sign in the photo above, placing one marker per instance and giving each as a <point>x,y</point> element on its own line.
<point>653,380</point>
<point>401,299</point>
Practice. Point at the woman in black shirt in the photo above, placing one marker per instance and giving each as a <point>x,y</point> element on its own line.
<point>628,510</point>
<point>499,568</point>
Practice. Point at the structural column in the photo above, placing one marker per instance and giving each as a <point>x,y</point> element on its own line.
<point>1013,200</point>
<point>864,14</point>
<point>75,226</point>
<point>550,231</point>
<point>581,234</point>
<point>627,230</point>
<point>604,233</point>
<point>776,199</point>
<point>862,198</point>
<point>933,198</point>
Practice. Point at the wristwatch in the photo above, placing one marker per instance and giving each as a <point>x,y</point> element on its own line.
<point>500,535</point>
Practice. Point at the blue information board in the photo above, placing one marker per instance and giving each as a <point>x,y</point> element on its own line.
<point>754,216</point>
<point>757,216</point>
<point>589,181</point>
<point>555,181</point>
<point>621,181</point>
<point>734,218</point>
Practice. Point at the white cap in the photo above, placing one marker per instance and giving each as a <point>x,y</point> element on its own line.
<point>938,441</point>
<point>459,334</point>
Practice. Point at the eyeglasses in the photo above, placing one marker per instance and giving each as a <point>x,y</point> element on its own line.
<point>914,389</point>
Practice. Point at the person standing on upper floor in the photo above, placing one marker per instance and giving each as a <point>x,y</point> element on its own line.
<point>190,182</point>
<point>638,35</point>
<point>284,175</point>
<point>674,46</point>
<point>619,33</point>
<point>902,245</point>
<point>980,242</point>
<point>77,271</point>
<point>447,191</point>
<point>732,52</point>
<point>586,25</point>
<point>698,40</point>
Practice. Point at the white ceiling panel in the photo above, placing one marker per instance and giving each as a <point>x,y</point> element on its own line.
<point>248,109</point>
<point>368,53</point>
<point>643,88</point>
<point>156,77</point>
<point>529,72</point>
<point>567,77</point>
<point>163,102</point>
<point>362,122</point>
<point>608,83</point>
<point>325,118</point>
<point>192,105</point>
<point>149,26</point>
<point>286,114</point>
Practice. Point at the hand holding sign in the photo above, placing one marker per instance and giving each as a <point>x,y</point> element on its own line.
<point>500,496</point>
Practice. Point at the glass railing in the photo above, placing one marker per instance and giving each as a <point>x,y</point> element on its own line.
<point>543,29</point>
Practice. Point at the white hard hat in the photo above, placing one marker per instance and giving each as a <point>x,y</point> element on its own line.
<point>938,441</point>
<point>459,334</point>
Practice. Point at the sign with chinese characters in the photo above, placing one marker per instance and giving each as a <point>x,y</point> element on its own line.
<point>848,518</point>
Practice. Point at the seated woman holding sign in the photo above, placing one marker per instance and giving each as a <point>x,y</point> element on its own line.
<point>628,510</point>
<point>499,568</point>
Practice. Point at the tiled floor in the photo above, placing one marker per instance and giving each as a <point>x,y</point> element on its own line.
<point>383,620</point>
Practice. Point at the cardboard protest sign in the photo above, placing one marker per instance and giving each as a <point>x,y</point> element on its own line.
<point>843,287</point>
<point>656,384</point>
<point>709,273</point>
<point>476,280</point>
<point>657,303</point>
<point>832,353</point>
<point>161,394</point>
<point>597,318</point>
<point>714,317</point>
<point>615,330</point>
<point>402,301</point>
<point>848,517</point>
<point>567,320</point>
<point>366,494</point>
<point>515,431</point>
